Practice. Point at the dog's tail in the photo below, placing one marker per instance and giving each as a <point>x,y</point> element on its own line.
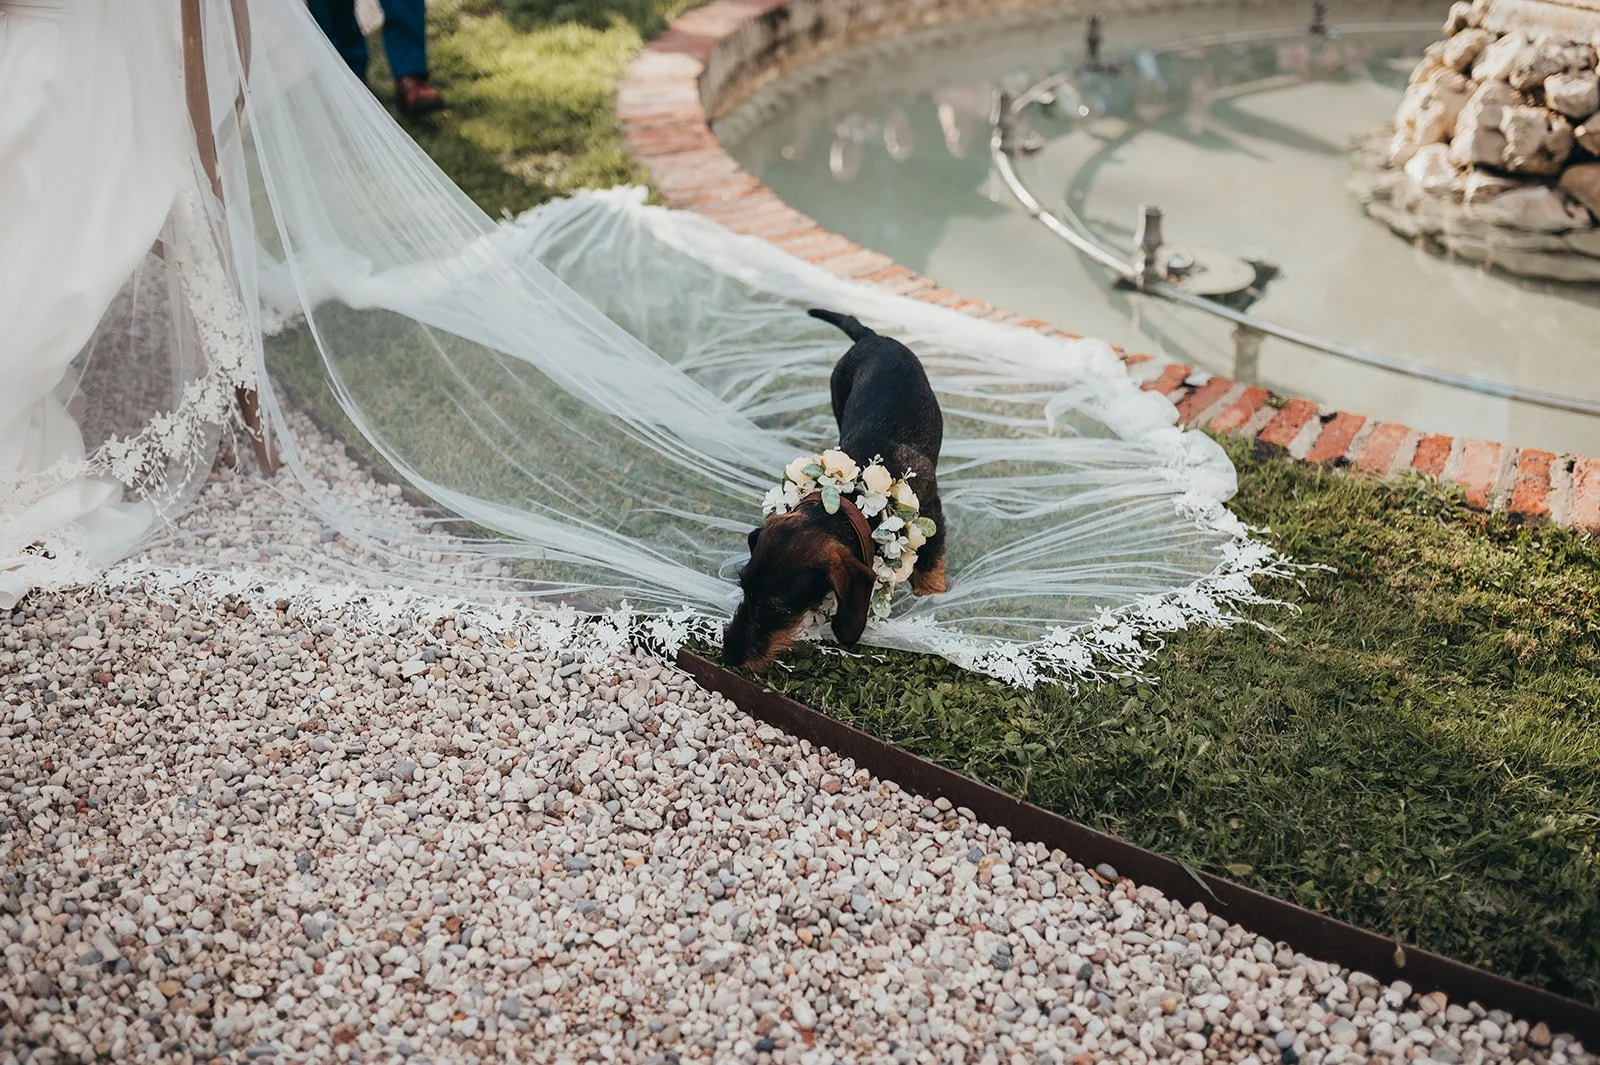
<point>852,328</point>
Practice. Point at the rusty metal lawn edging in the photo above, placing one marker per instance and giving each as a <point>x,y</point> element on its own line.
<point>1312,934</point>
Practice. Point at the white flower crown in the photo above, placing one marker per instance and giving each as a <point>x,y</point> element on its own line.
<point>873,491</point>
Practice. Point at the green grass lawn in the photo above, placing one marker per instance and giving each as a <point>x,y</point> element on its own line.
<point>530,86</point>
<point>1419,753</point>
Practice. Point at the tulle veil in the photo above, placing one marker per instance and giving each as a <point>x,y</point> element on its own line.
<point>596,395</point>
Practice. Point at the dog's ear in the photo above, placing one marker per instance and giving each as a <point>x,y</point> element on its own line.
<point>852,589</point>
<point>755,534</point>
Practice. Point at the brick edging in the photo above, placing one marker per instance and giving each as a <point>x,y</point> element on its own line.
<point>712,52</point>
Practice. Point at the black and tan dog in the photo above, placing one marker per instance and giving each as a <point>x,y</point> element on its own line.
<point>885,407</point>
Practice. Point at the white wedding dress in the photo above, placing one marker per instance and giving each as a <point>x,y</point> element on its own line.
<point>70,237</point>
<point>603,389</point>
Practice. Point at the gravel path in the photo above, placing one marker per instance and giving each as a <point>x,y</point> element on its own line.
<point>229,831</point>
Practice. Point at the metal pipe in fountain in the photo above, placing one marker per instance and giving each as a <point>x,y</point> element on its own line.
<point>1093,41</point>
<point>1154,267</point>
<point>1151,266</point>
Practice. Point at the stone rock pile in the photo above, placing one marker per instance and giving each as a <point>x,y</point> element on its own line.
<point>1495,149</point>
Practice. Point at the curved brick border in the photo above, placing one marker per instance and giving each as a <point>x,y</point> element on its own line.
<point>715,55</point>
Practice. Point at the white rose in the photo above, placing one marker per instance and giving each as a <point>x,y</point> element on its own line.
<point>905,496</point>
<point>914,537</point>
<point>877,479</point>
<point>839,464</point>
<point>796,469</point>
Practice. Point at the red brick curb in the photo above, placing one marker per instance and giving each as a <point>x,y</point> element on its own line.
<point>714,55</point>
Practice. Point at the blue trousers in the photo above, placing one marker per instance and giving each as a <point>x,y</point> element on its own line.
<point>404,34</point>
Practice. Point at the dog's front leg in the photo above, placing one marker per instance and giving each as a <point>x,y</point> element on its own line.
<point>928,576</point>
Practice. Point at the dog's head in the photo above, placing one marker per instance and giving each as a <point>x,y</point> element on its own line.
<point>794,564</point>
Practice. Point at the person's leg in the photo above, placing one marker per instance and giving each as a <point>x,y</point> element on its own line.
<point>405,37</point>
<point>405,41</point>
<point>338,20</point>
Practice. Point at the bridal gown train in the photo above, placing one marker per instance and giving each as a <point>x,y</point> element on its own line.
<point>604,390</point>
<point>87,178</point>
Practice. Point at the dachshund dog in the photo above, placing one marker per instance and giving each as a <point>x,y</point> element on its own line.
<point>885,407</point>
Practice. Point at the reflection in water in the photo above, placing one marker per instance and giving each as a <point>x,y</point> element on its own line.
<point>1148,90</point>
<point>898,138</point>
<point>964,115</point>
<point>1197,110</point>
<point>845,156</point>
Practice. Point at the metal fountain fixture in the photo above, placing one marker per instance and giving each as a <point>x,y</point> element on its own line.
<point>1319,18</point>
<point>1220,285</point>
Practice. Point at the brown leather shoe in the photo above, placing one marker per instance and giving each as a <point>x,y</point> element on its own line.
<point>416,97</point>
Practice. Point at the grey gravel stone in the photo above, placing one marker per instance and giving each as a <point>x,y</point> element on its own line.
<point>398,868</point>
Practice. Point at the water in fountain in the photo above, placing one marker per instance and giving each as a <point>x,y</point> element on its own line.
<point>1239,121</point>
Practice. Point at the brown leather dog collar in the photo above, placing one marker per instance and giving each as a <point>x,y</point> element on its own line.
<point>858,521</point>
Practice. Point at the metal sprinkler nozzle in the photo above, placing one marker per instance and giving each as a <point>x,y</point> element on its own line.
<point>1151,266</point>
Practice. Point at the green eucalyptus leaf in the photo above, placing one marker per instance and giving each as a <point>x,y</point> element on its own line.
<point>830,499</point>
<point>812,470</point>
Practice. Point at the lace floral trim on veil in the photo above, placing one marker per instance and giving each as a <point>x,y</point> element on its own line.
<point>1118,643</point>
<point>173,443</point>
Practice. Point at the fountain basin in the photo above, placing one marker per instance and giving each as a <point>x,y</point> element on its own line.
<point>1246,145</point>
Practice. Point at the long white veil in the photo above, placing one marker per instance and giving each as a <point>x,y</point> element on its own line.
<point>601,389</point>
